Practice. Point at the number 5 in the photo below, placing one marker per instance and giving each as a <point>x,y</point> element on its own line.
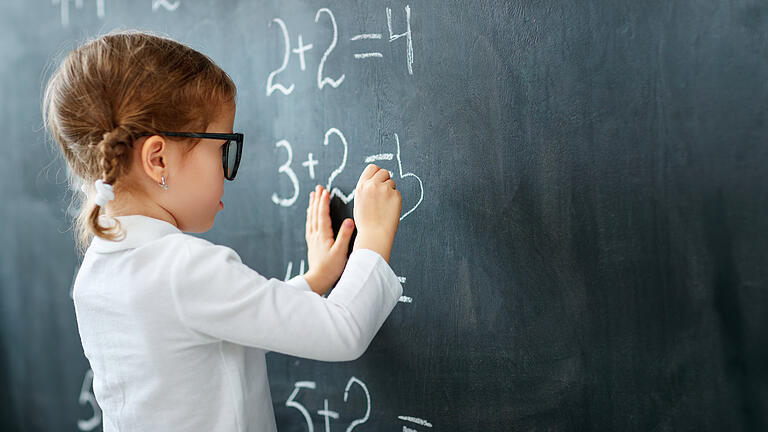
<point>86,397</point>
<point>291,403</point>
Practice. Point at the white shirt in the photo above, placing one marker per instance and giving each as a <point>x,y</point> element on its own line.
<point>165,319</point>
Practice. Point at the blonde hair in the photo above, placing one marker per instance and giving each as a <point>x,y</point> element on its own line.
<point>111,89</point>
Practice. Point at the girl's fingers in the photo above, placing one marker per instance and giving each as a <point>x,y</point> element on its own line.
<point>381,175</point>
<point>324,216</point>
<point>312,211</point>
<point>344,235</point>
<point>368,172</point>
<point>319,211</point>
<point>316,207</point>
<point>309,213</point>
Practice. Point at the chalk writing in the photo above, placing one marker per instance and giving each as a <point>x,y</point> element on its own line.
<point>286,168</point>
<point>291,402</point>
<point>416,420</point>
<point>165,4</point>
<point>87,397</point>
<point>328,414</point>
<point>310,163</point>
<point>407,34</point>
<point>64,9</point>
<point>334,190</point>
<point>322,80</point>
<point>286,57</point>
<point>390,156</point>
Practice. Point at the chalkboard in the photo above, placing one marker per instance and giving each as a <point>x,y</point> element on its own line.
<point>584,236</point>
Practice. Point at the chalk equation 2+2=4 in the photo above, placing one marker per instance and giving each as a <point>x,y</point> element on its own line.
<point>310,164</point>
<point>322,80</point>
<point>327,414</point>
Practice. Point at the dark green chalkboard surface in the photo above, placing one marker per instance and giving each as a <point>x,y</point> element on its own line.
<point>584,237</point>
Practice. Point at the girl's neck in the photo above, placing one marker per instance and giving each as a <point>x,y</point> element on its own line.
<point>150,209</point>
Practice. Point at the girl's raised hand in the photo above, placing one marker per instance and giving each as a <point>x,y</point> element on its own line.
<point>326,257</point>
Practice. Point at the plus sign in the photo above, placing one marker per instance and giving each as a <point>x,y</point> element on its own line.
<point>327,414</point>
<point>310,163</point>
<point>300,51</point>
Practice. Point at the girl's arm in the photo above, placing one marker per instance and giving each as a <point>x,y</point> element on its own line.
<point>220,298</point>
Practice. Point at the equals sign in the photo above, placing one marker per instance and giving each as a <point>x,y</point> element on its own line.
<point>367,36</point>
<point>416,420</point>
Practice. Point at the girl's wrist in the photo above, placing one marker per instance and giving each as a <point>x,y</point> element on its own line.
<point>315,284</point>
<point>379,243</point>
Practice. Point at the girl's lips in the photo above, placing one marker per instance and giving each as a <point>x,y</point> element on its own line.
<point>221,204</point>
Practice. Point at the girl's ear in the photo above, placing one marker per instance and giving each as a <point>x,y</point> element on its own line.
<point>155,156</point>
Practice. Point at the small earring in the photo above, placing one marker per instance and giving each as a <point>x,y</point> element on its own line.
<point>162,183</point>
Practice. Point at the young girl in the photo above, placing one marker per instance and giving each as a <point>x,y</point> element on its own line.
<point>164,317</point>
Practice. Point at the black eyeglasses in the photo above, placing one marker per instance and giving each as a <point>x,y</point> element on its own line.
<point>230,159</point>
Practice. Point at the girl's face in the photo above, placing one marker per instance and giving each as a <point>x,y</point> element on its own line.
<point>196,182</point>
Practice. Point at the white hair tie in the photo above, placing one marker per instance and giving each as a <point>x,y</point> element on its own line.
<point>104,192</point>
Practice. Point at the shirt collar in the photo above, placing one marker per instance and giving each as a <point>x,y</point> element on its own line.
<point>138,229</point>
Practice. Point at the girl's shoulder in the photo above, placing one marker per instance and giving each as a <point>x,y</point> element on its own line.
<point>198,249</point>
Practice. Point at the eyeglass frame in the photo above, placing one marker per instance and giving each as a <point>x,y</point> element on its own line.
<point>237,137</point>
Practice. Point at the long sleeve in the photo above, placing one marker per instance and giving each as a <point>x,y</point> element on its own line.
<point>300,283</point>
<point>218,296</point>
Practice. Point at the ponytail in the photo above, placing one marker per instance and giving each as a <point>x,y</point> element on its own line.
<point>113,155</point>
